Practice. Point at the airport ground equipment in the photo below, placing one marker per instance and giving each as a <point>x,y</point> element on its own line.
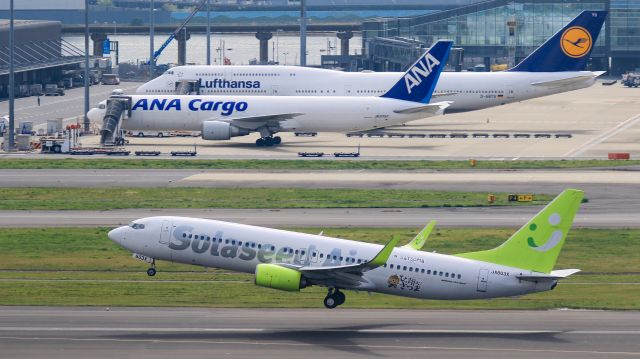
<point>62,144</point>
<point>619,156</point>
<point>173,35</point>
<point>347,154</point>
<point>631,79</point>
<point>53,90</point>
<point>147,153</point>
<point>117,109</point>
<point>310,154</point>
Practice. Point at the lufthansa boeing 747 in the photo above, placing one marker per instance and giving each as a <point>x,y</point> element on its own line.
<point>556,66</point>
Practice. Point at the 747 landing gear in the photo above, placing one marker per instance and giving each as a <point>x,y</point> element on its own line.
<point>334,298</point>
<point>268,141</point>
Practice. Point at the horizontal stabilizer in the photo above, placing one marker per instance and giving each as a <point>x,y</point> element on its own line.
<point>554,275</point>
<point>564,82</point>
<point>432,108</point>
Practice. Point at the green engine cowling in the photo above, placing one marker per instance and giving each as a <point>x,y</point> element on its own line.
<point>277,277</point>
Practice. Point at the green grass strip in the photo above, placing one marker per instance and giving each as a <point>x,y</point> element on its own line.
<point>80,266</point>
<point>121,198</point>
<point>107,163</point>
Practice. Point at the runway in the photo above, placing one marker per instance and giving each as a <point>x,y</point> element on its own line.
<point>330,217</point>
<point>310,333</point>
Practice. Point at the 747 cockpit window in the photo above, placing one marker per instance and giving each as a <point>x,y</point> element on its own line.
<point>136,225</point>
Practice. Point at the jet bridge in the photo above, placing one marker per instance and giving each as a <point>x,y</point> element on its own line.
<point>118,109</point>
<point>188,87</point>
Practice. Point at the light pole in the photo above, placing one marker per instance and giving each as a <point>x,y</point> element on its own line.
<point>87,123</point>
<point>303,32</point>
<point>208,33</point>
<point>285,56</point>
<point>12,84</point>
<point>152,61</point>
<point>278,45</point>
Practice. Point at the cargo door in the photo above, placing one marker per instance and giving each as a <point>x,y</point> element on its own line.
<point>483,278</point>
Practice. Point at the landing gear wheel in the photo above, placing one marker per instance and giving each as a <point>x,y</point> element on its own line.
<point>260,142</point>
<point>268,141</point>
<point>330,302</point>
<point>277,140</point>
<point>339,297</point>
<point>151,272</point>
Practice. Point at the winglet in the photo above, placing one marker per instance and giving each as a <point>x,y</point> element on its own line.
<point>381,258</point>
<point>421,238</point>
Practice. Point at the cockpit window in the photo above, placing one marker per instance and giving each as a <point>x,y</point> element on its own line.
<point>135,225</point>
<point>102,106</point>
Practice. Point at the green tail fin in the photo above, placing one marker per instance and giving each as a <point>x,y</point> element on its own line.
<point>537,244</point>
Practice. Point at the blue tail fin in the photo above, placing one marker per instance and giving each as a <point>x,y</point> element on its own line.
<point>569,48</point>
<point>418,82</point>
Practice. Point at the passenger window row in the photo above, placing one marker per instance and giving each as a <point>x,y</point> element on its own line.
<point>256,74</point>
<point>424,271</point>
<point>314,91</point>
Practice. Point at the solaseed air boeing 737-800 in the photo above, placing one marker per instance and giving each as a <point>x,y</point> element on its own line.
<point>222,117</point>
<point>291,261</point>
<point>556,66</point>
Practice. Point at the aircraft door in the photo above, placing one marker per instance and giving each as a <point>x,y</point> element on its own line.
<point>483,278</point>
<point>165,232</point>
<point>510,91</point>
<point>348,90</point>
<point>274,90</point>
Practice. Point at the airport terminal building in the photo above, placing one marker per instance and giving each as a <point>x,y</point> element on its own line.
<point>503,32</point>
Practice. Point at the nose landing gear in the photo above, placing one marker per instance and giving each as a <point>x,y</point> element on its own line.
<point>152,271</point>
<point>334,298</point>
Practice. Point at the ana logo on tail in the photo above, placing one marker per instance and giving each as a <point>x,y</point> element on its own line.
<point>419,71</point>
<point>556,236</point>
<point>576,42</point>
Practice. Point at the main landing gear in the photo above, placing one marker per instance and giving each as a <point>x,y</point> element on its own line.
<point>334,298</point>
<point>268,141</point>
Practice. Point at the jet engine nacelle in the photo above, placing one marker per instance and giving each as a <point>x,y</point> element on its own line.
<point>218,131</point>
<point>277,277</point>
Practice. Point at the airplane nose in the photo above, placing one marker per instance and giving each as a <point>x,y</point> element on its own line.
<point>116,234</point>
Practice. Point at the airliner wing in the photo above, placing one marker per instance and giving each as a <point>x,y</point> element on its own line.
<point>254,122</point>
<point>346,276</point>
<point>429,109</point>
<point>566,81</point>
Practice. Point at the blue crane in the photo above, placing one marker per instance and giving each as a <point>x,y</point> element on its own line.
<point>158,52</point>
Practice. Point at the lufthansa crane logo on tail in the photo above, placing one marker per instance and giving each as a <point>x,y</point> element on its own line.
<point>576,42</point>
<point>420,71</point>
